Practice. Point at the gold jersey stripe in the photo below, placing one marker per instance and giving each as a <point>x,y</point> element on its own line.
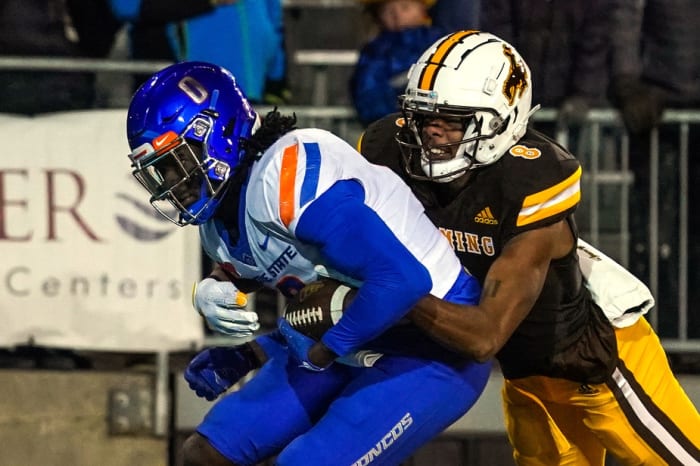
<point>551,201</point>
<point>434,62</point>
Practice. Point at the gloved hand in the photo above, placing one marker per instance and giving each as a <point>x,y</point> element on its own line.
<point>573,111</point>
<point>641,104</point>
<point>299,346</point>
<point>223,308</point>
<point>215,370</point>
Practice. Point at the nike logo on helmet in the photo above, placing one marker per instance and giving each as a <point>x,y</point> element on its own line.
<point>164,139</point>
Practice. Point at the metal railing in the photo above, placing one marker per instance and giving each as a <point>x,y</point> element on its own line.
<point>92,65</point>
<point>623,175</point>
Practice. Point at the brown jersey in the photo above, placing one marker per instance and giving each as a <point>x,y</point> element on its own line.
<point>535,184</point>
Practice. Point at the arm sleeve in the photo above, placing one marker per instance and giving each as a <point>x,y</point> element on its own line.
<point>354,240</point>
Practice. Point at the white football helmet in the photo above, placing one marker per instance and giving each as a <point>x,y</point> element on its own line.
<point>473,77</point>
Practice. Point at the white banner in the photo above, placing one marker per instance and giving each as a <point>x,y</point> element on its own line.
<point>86,261</point>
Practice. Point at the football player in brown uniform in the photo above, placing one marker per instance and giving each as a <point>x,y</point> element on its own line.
<point>577,382</point>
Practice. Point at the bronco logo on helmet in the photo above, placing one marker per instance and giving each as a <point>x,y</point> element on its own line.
<point>516,82</point>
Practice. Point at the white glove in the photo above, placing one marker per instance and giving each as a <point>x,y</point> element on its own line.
<point>223,307</point>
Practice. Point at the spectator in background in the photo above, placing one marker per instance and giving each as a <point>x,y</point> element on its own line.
<point>655,65</point>
<point>244,36</point>
<point>404,31</point>
<point>455,15</point>
<point>52,28</point>
<point>566,44</point>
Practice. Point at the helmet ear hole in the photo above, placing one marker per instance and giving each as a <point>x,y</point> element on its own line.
<point>229,127</point>
<point>504,125</point>
<point>496,124</point>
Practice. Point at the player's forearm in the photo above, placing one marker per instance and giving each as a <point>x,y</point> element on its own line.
<point>481,331</point>
<point>460,328</point>
<point>320,355</point>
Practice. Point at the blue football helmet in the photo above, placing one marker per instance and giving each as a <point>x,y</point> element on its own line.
<point>185,126</point>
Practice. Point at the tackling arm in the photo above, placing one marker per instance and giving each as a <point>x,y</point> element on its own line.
<point>511,287</point>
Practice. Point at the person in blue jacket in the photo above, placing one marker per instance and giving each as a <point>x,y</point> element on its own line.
<point>244,36</point>
<point>380,76</point>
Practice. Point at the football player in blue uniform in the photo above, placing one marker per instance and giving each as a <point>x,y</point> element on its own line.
<point>272,203</point>
<point>584,371</point>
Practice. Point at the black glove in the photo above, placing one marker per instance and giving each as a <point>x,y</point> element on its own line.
<point>641,104</point>
<point>573,111</point>
<point>277,92</point>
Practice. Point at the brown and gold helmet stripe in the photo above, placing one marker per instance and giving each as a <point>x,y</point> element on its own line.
<point>435,61</point>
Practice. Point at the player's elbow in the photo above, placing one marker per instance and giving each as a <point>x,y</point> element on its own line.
<point>478,348</point>
<point>486,346</point>
<point>413,282</point>
<point>484,350</point>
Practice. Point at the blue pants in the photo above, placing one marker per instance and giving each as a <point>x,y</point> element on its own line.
<point>344,415</point>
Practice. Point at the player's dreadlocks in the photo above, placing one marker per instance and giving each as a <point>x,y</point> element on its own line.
<point>274,125</point>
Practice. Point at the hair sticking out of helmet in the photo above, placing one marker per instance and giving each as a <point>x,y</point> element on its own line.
<point>185,126</point>
<point>472,78</point>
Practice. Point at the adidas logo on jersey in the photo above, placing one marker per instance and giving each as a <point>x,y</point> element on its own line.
<point>485,216</point>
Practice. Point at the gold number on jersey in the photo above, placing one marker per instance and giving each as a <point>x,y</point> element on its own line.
<point>524,152</point>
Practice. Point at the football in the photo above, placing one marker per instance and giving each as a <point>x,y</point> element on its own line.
<point>318,306</point>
